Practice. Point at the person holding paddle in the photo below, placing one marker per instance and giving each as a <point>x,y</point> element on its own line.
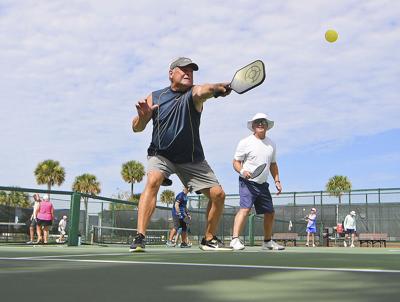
<point>180,216</point>
<point>176,148</point>
<point>254,158</point>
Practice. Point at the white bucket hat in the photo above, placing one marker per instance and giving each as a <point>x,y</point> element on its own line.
<point>257,117</point>
<point>353,213</point>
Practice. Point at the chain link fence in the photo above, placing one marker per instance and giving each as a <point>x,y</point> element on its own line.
<point>378,211</point>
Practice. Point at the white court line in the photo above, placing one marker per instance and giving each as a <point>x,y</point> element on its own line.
<point>294,268</point>
<point>43,257</point>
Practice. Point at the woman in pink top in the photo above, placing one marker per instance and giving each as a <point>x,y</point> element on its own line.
<point>45,216</point>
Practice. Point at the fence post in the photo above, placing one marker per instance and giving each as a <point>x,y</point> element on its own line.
<point>74,219</point>
<point>251,229</point>
<point>322,207</point>
<point>380,211</point>
<point>366,212</point>
<point>294,208</point>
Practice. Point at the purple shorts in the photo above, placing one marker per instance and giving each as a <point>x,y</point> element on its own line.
<point>252,193</point>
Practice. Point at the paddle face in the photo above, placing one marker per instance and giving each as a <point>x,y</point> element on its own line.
<point>258,170</point>
<point>248,77</point>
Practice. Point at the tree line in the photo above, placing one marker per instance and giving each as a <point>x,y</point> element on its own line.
<point>50,173</point>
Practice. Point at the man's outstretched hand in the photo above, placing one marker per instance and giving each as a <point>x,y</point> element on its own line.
<point>144,110</point>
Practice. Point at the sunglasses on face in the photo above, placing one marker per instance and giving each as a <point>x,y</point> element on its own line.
<point>260,122</point>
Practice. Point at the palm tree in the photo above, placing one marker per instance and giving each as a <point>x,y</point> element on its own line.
<point>88,184</point>
<point>15,199</point>
<point>50,173</point>
<point>124,196</point>
<point>132,172</point>
<point>337,185</point>
<point>167,196</point>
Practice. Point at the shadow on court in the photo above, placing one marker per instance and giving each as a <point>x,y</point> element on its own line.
<point>64,280</point>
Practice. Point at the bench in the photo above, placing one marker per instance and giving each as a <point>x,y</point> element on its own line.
<point>373,238</point>
<point>285,237</point>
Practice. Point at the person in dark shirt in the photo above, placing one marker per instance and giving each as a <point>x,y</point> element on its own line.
<point>176,148</point>
<point>180,216</point>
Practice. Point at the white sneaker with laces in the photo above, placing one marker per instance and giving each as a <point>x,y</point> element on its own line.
<point>272,245</point>
<point>236,244</point>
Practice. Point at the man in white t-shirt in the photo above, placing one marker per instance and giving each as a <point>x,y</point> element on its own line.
<point>251,152</point>
<point>349,225</point>
<point>62,226</point>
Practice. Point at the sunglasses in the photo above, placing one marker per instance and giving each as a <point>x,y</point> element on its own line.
<point>260,122</point>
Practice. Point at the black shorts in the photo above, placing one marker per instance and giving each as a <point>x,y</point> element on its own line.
<point>179,223</point>
<point>350,231</point>
<point>44,222</point>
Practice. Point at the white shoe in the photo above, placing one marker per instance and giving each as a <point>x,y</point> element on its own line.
<point>236,244</point>
<point>313,245</point>
<point>306,244</point>
<point>344,244</point>
<point>272,245</point>
<point>170,243</point>
<point>352,245</point>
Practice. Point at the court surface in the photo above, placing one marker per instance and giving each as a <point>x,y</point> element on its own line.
<point>94,273</point>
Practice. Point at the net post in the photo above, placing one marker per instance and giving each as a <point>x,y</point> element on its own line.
<point>74,220</point>
<point>251,229</point>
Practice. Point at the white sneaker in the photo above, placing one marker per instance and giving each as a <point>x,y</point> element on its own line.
<point>236,244</point>
<point>344,244</point>
<point>272,245</point>
<point>306,244</point>
<point>313,245</point>
<point>170,243</point>
<point>352,245</point>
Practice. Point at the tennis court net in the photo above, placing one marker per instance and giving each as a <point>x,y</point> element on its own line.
<point>114,235</point>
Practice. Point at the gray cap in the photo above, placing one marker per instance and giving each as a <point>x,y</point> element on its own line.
<point>182,62</point>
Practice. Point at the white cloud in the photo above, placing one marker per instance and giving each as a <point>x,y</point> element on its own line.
<point>72,72</point>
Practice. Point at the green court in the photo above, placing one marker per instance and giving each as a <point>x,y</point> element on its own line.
<point>97,273</point>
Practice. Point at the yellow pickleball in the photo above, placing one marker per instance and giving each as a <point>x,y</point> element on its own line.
<point>331,35</point>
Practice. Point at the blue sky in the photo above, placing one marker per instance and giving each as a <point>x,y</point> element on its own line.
<point>72,71</point>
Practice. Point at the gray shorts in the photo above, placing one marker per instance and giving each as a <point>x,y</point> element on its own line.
<point>33,223</point>
<point>198,176</point>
